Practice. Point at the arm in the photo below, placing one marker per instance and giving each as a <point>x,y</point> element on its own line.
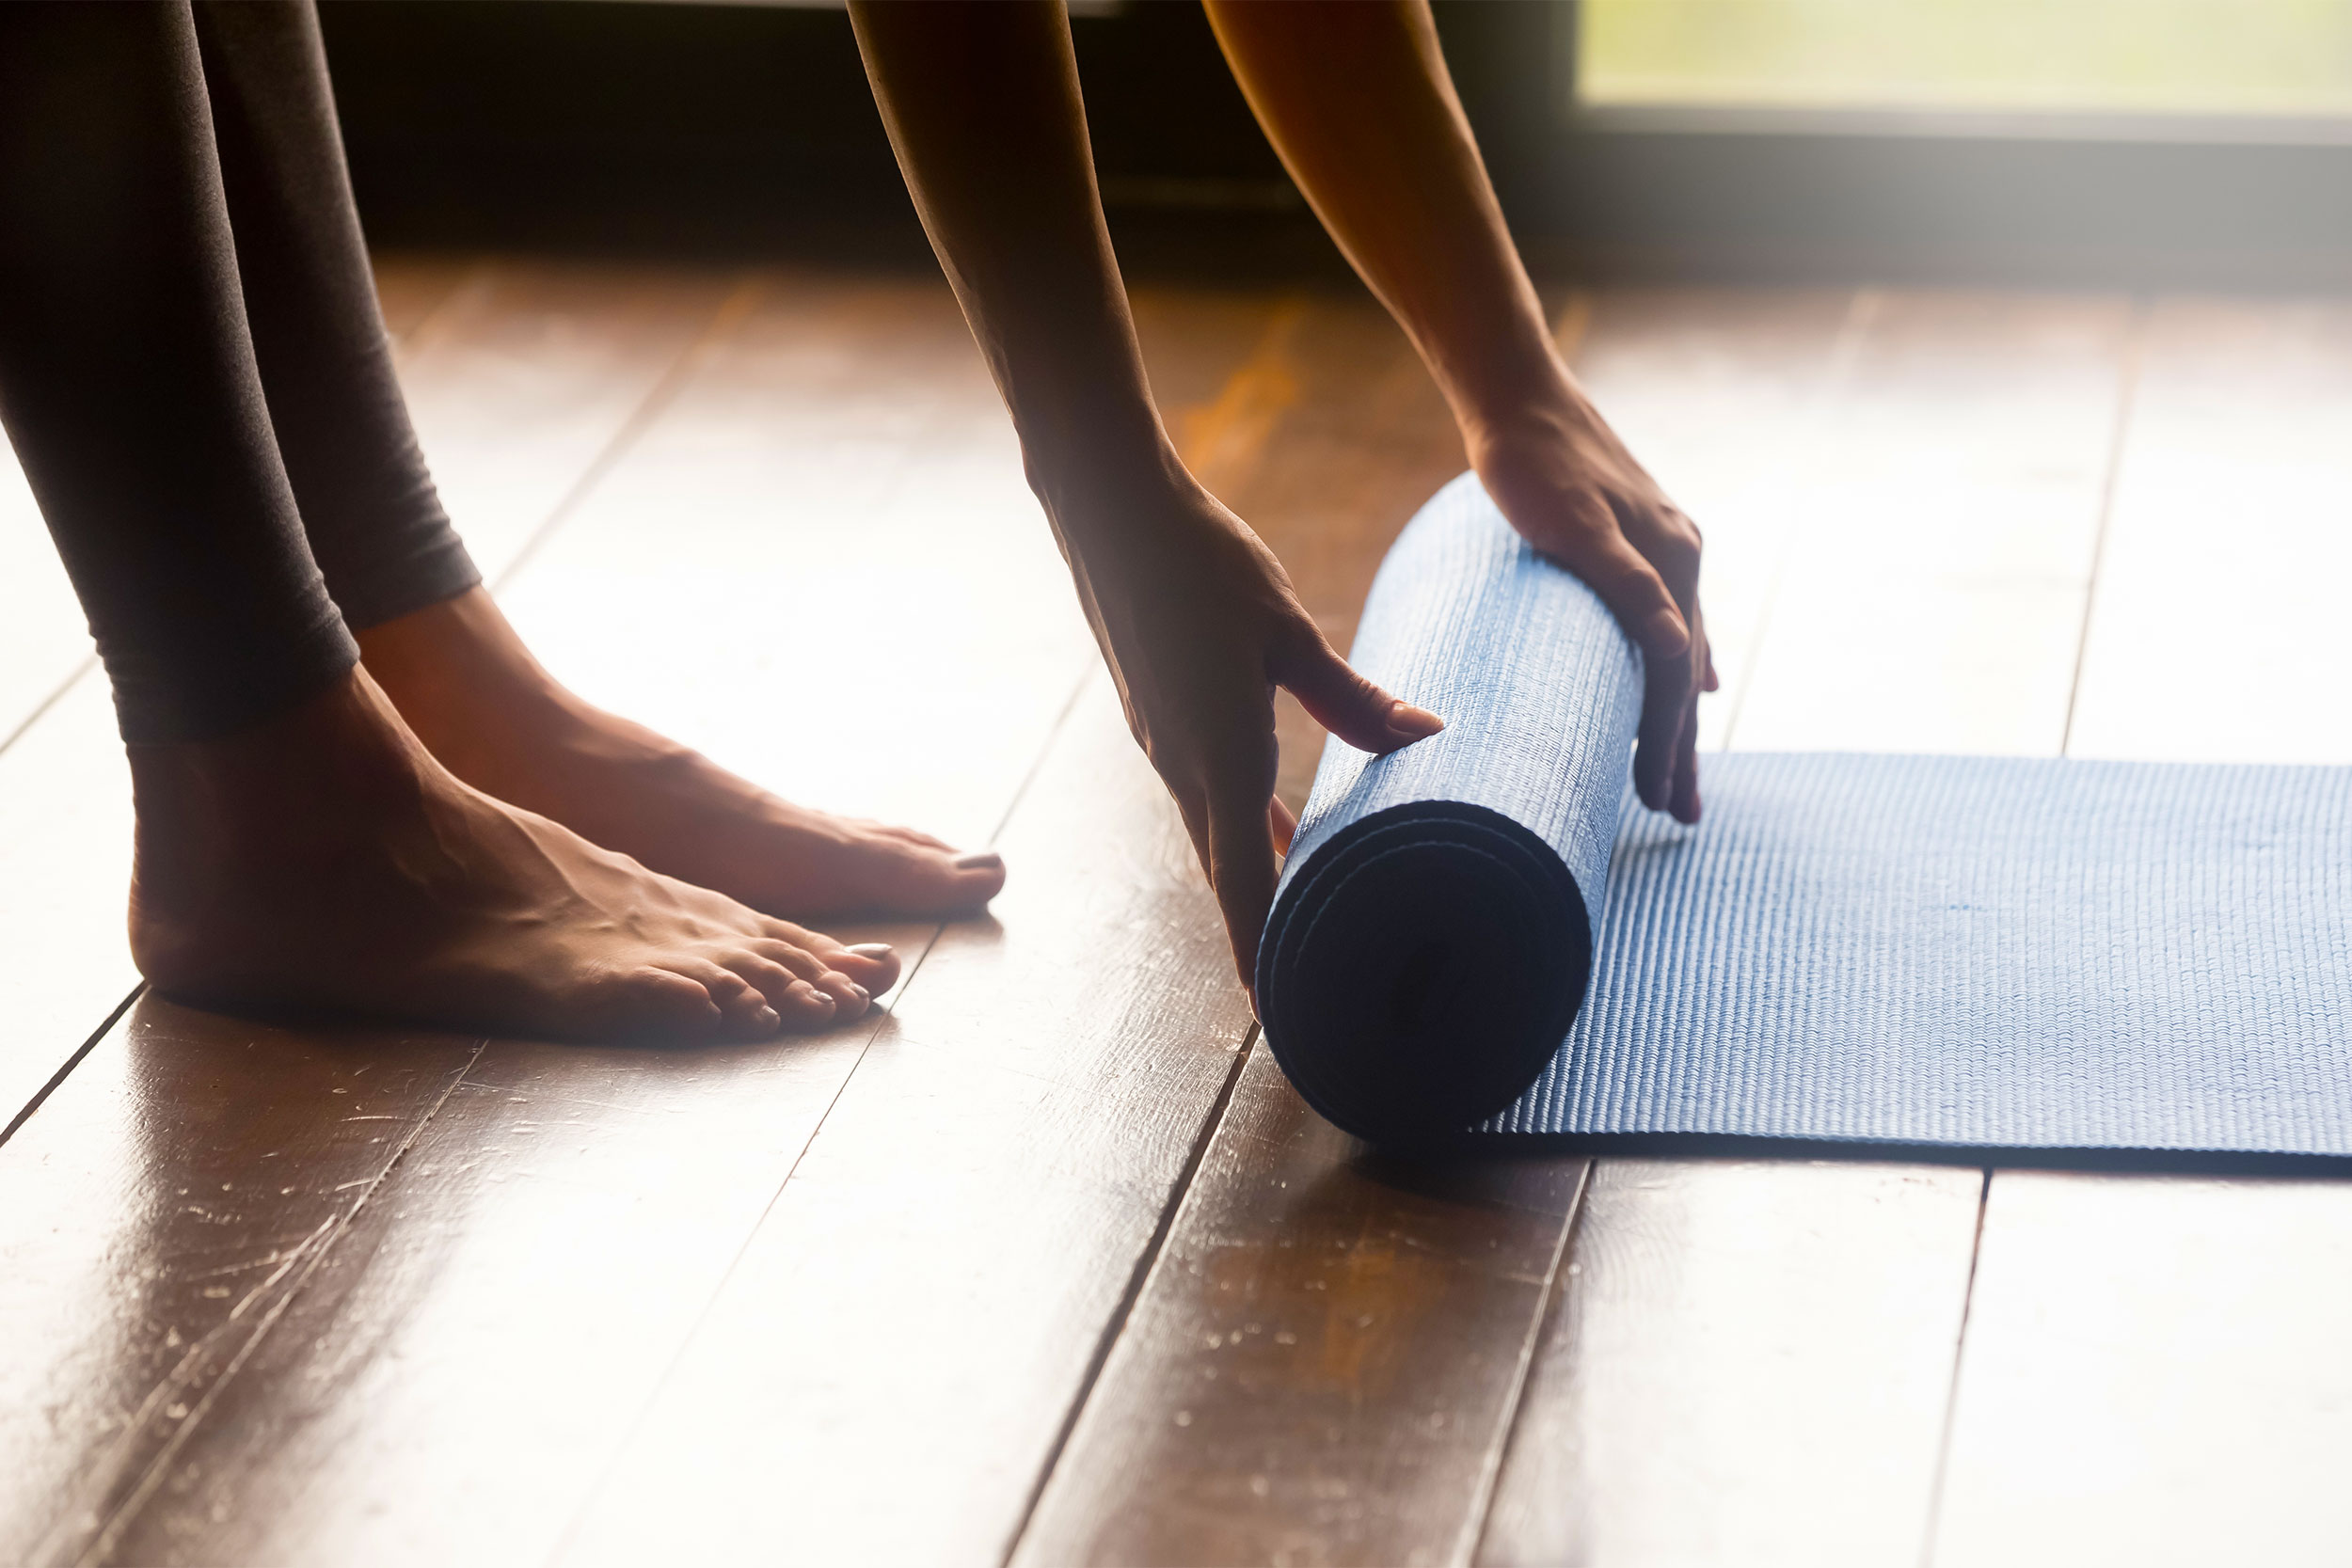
<point>1356,97</point>
<point>1194,615</point>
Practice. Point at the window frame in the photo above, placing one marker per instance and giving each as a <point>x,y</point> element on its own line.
<point>2035,197</point>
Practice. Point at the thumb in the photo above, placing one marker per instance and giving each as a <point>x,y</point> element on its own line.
<point>1343,701</point>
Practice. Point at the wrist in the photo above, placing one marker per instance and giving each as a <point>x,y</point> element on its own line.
<point>1527,397</point>
<point>1525,392</point>
<point>1098,478</point>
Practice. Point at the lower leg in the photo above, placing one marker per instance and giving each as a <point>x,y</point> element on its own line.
<point>369,506</point>
<point>444,654</point>
<point>127,380</point>
<point>297,846</point>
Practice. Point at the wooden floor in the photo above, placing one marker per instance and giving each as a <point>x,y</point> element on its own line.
<point>1048,1263</point>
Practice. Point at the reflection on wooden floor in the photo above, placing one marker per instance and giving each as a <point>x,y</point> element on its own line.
<point>1047,1263</point>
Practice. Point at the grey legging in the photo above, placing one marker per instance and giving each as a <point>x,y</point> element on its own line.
<point>193,371</point>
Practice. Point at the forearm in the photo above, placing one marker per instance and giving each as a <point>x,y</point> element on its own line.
<point>982,105</point>
<point>1356,97</point>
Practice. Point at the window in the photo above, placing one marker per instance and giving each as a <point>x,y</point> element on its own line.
<point>2242,60</point>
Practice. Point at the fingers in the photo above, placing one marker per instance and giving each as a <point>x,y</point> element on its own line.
<point>1341,700</point>
<point>1241,870</point>
<point>1227,809</point>
<point>1664,700</point>
<point>1665,753</point>
<point>1676,662</point>
<point>1685,804</point>
<point>1282,824</point>
<point>1637,595</point>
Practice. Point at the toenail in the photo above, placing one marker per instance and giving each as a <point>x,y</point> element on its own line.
<point>870,950</point>
<point>981,860</point>
<point>862,994</point>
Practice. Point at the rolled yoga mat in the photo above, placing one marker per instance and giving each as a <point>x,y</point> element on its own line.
<point>1483,937</point>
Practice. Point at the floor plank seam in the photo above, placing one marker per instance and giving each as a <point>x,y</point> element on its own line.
<point>1044,752</point>
<point>160,1467</point>
<point>2119,440</point>
<point>1951,1397</point>
<point>1555,1302</point>
<point>1147,1260</point>
<point>72,1062</point>
<point>730,313</point>
<point>81,671</point>
<point>750,1233</point>
<point>472,281</point>
<point>1045,749</point>
<point>1845,353</point>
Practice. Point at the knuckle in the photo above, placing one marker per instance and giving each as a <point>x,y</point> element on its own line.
<point>1679,550</point>
<point>1639,581</point>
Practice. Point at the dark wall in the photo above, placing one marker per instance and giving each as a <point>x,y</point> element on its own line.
<point>731,129</point>
<point>748,130</point>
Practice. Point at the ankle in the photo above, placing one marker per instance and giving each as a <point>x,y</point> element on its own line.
<point>327,760</point>
<point>464,682</point>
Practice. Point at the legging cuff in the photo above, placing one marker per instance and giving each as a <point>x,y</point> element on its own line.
<point>159,704</point>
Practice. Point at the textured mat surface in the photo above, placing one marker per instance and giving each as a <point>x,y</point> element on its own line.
<point>1966,953</point>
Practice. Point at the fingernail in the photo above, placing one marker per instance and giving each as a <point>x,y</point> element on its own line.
<point>1419,723</point>
<point>979,860</point>
<point>870,950</point>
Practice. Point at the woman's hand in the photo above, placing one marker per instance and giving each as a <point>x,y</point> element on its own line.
<point>1198,624</point>
<point>1357,99</point>
<point>1572,490</point>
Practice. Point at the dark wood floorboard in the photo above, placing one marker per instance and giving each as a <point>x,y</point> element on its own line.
<point>536,331</point>
<point>1931,596</point>
<point>929,1293</point>
<point>1323,1361</point>
<point>44,641</point>
<point>411,287</point>
<point>65,864</point>
<point>162,1210</point>
<point>830,476</point>
<point>1750,1363</point>
<point>1356,438</point>
<point>1047,1237</point>
<point>2156,1371</point>
<point>531,376</point>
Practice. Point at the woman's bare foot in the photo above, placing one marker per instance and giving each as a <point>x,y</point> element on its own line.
<point>324,860</point>
<point>485,707</point>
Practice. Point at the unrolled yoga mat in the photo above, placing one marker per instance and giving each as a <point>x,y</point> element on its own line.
<point>1484,935</point>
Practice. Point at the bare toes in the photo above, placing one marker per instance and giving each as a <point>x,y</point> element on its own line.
<point>647,1003</point>
<point>772,980</point>
<point>939,880</point>
<point>795,957</point>
<point>850,999</point>
<point>745,1014</point>
<point>806,1009</point>
<point>921,840</point>
<point>873,965</point>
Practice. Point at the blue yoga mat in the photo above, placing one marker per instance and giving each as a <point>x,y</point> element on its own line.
<point>1484,937</point>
